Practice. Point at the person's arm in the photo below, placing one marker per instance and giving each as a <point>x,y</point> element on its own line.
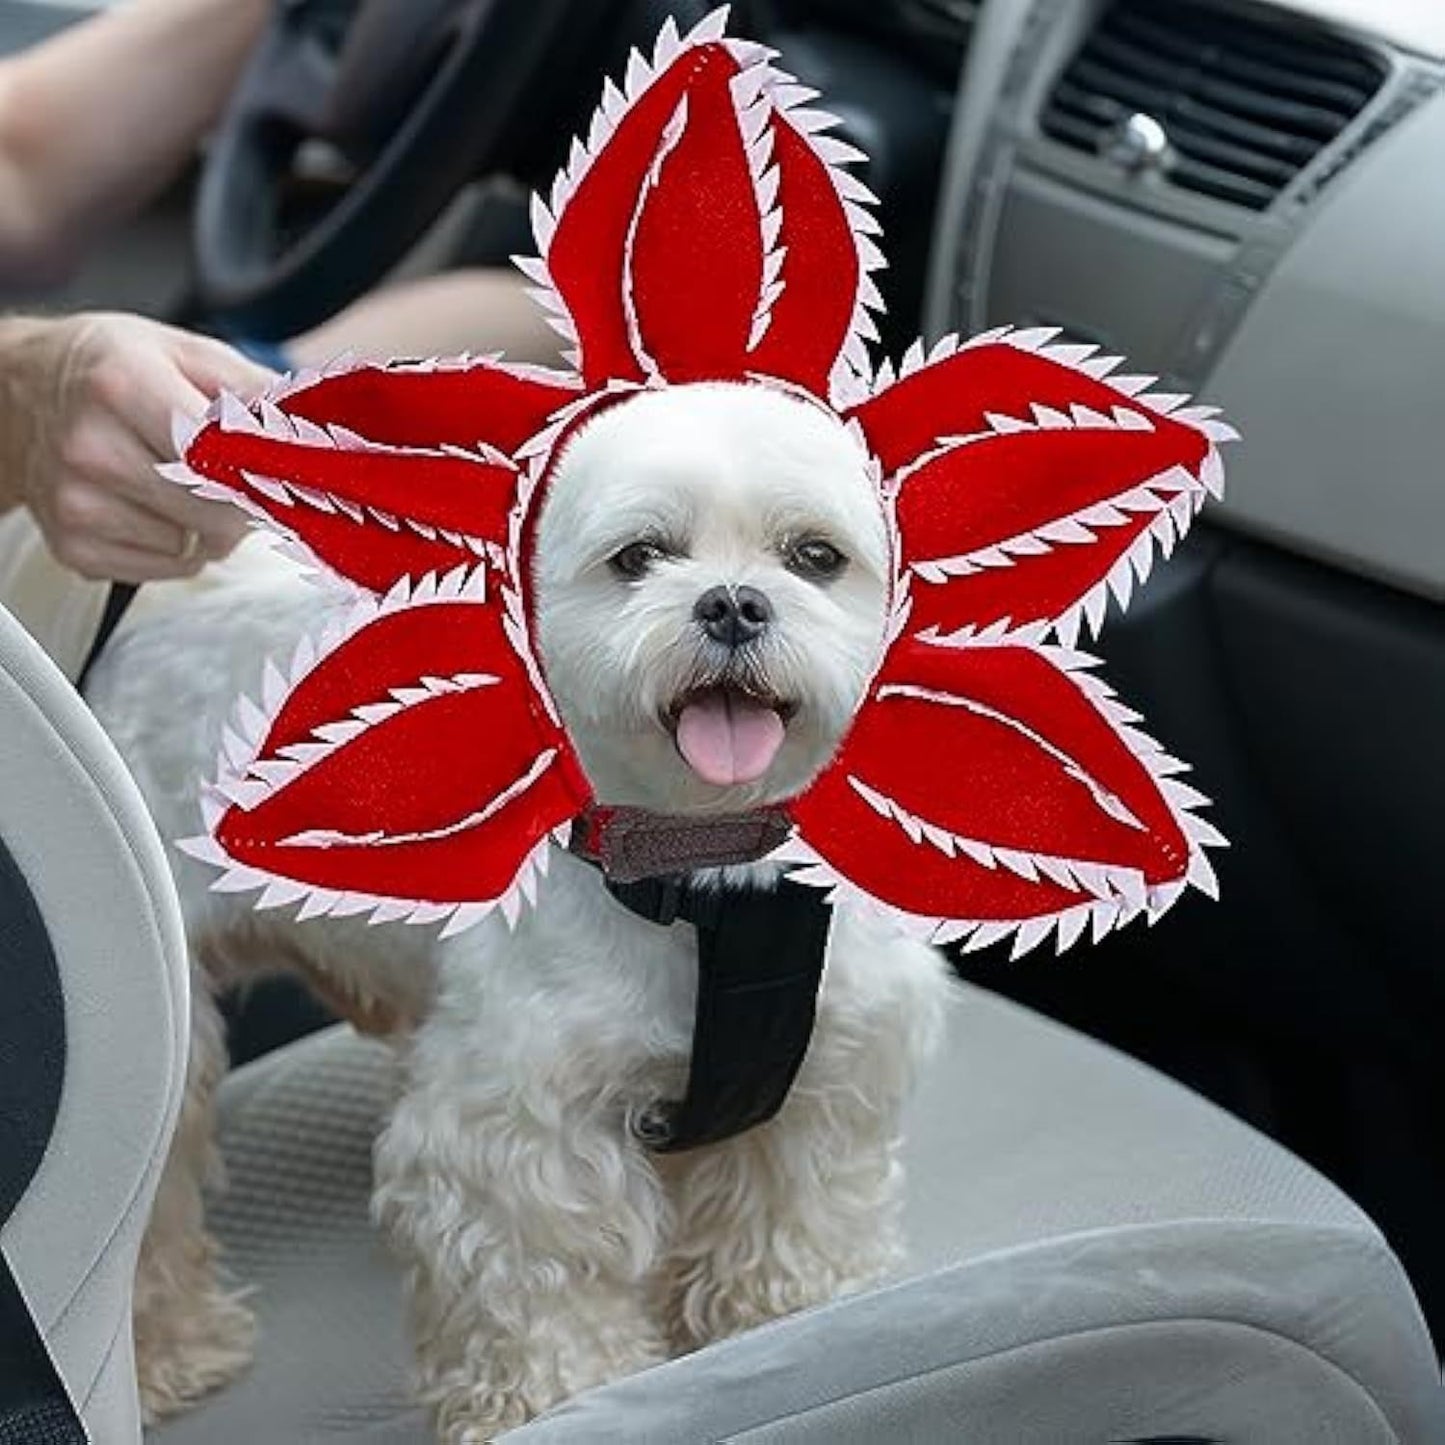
<point>94,122</point>
<point>86,404</point>
<point>477,309</point>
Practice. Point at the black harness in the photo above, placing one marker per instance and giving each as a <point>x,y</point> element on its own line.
<point>760,959</point>
<point>759,964</point>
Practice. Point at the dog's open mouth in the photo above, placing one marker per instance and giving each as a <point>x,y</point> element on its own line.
<point>729,734</point>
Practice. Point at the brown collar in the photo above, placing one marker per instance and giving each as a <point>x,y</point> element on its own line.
<point>633,843</point>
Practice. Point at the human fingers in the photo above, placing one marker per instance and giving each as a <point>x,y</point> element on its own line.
<point>103,456</point>
<point>212,366</point>
<point>145,374</point>
<point>96,557</point>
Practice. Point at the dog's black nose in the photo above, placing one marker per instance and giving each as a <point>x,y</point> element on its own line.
<point>733,615</point>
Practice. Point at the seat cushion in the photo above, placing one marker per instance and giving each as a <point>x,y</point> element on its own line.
<point>1053,1185</point>
<point>296,1134</point>
<point>80,837</point>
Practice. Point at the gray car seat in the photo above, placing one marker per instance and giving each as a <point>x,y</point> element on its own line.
<point>92,1052</point>
<point>1098,1255</point>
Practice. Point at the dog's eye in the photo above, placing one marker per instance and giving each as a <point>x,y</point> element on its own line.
<point>636,559</point>
<point>816,559</point>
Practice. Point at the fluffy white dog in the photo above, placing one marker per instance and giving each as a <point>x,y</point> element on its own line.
<point>711,596</point>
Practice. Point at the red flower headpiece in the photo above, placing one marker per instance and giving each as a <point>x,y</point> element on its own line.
<point>411,763</point>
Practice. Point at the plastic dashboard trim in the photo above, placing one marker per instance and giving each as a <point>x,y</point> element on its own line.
<point>1047,34</point>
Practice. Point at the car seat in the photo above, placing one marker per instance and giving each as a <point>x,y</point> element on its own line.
<point>1097,1254</point>
<point>92,1055</point>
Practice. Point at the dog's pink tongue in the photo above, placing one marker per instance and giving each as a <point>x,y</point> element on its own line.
<point>728,739</point>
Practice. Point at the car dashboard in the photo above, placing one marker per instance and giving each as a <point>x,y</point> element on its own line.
<point>1244,199</point>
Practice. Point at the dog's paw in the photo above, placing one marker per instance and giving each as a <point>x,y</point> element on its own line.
<point>706,1306</point>
<point>183,1354</point>
<point>476,1417</point>
<point>471,1411</point>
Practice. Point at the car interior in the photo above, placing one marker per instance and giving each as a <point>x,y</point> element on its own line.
<point>1184,1185</point>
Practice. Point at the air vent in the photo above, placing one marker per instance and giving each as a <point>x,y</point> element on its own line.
<point>1244,103</point>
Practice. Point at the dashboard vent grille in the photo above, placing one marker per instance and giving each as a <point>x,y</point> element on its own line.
<point>1245,103</point>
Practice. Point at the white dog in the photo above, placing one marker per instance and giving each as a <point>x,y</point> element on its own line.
<point>711,594</point>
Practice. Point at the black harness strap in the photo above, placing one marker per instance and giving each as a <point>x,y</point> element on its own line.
<point>759,964</point>
<point>121,595</point>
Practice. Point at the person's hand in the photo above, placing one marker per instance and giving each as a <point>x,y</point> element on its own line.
<point>86,404</point>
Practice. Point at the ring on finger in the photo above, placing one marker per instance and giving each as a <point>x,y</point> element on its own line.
<point>190,545</point>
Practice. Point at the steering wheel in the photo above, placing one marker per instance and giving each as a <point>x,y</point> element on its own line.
<point>406,101</point>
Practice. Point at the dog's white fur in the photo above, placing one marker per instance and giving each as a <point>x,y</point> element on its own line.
<point>546,1249</point>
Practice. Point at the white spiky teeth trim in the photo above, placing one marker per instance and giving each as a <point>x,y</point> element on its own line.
<point>1172,497</point>
<point>1098,915</point>
<point>1078,875</point>
<point>333,838</point>
<point>290,541</point>
<point>1105,800</point>
<point>615,104</point>
<point>668,142</point>
<point>285,538</point>
<point>1081,357</point>
<point>289,494</point>
<point>233,416</point>
<point>526,467</point>
<point>762,95</point>
<point>1101,915</point>
<point>289,384</point>
<point>245,778</point>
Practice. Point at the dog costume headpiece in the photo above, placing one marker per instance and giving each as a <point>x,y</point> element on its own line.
<point>410,763</point>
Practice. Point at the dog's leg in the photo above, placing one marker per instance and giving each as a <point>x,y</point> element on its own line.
<point>192,1335</point>
<point>528,1221</point>
<point>788,1215</point>
<point>806,1207</point>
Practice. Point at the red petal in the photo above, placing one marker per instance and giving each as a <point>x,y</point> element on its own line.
<point>696,259</point>
<point>873,854</point>
<point>1000,747</point>
<point>440,802</point>
<point>1021,527</point>
<point>432,405</point>
<point>812,317</point>
<point>420,491</point>
<point>1005,452</point>
<point>953,396</point>
<point>698,248</point>
<point>435,639</point>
